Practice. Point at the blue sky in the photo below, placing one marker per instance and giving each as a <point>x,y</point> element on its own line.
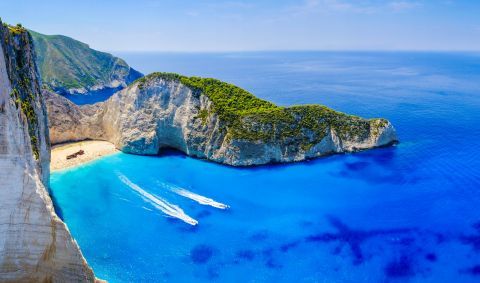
<point>207,25</point>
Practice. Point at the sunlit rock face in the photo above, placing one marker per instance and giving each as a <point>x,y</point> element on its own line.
<point>161,113</point>
<point>35,245</point>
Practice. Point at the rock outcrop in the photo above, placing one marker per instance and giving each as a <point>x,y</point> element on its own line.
<point>35,245</point>
<point>69,66</point>
<point>209,119</point>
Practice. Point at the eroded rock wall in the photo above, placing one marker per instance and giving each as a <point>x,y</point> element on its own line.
<point>164,113</point>
<point>35,245</point>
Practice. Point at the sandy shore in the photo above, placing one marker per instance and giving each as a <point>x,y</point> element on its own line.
<point>92,150</point>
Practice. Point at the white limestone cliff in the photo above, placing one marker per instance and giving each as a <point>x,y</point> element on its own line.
<point>35,245</point>
<point>165,113</point>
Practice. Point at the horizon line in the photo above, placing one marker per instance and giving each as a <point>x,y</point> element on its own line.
<point>302,50</point>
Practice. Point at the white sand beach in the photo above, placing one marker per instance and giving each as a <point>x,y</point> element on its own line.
<point>91,151</point>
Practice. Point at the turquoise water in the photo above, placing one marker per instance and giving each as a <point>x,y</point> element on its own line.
<point>404,213</point>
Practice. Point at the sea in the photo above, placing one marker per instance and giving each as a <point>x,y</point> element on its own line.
<point>404,213</point>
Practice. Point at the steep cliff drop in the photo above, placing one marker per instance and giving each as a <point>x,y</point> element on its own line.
<point>35,245</point>
<point>69,66</point>
<point>210,119</point>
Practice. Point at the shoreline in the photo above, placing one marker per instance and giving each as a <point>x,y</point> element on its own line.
<point>92,150</point>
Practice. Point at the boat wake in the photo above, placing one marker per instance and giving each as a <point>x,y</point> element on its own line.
<point>160,204</point>
<point>195,197</point>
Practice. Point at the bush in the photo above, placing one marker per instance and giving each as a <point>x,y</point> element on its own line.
<point>250,118</point>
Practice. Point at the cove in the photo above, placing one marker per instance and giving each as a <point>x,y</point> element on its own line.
<point>403,213</point>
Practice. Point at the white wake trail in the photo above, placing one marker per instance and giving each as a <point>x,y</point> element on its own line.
<point>162,205</point>
<point>196,197</point>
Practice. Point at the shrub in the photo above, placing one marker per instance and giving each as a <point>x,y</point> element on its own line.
<point>250,118</point>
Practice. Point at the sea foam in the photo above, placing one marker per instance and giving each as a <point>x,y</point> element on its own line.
<point>195,197</point>
<point>160,204</point>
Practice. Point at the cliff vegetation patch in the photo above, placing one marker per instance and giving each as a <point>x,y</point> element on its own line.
<point>247,117</point>
<point>17,49</point>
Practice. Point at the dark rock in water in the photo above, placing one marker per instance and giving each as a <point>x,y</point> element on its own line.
<point>272,264</point>
<point>286,247</point>
<point>400,268</point>
<point>476,226</point>
<point>431,257</point>
<point>246,255</point>
<point>472,240</point>
<point>201,254</point>
<point>352,238</point>
<point>474,270</point>
<point>407,241</point>
<point>259,236</point>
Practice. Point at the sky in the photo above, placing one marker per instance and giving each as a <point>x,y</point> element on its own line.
<point>240,25</point>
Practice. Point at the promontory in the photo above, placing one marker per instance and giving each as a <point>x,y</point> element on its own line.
<point>214,120</point>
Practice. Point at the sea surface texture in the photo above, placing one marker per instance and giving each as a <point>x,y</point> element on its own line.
<point>409,213</point>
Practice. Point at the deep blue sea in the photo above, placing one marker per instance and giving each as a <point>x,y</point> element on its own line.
<point>409,213</point>
<point>92,97</point>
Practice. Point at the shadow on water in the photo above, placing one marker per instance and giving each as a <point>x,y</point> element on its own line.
<point>472,240</point>
<point>375,158</point>
<point>414,250</point>
<point>377,167</point>
<point>346,236</point>
<point>201,254</point>
<point>401,267</point>
<point>474,270</point>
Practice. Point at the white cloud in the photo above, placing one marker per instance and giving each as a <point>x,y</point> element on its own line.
<point>358,7</point>
<point>399,6</point>
<point>337,5</point>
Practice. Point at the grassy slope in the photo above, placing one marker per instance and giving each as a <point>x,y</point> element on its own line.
<point>67,63</point>
<point>248,117</point>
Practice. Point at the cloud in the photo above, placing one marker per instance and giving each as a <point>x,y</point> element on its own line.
<point>337,5</point>
<point>399,6</point>
<point>357,7</point>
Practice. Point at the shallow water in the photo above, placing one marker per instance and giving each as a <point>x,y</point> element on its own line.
<point>403,213</point>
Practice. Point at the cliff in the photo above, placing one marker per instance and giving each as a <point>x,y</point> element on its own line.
<point>70,66</point>
<point>210,119</point>
<point>35,245</point>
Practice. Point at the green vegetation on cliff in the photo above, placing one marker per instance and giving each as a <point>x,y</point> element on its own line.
<point>66,64</point>
<point>16,44</point>
<point>250,118</point>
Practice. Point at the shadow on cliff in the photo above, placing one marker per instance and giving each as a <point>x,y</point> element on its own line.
<point>56,206</point>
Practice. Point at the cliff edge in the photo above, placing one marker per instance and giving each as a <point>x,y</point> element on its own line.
<point>35,245</point>
<point>69,66</point>
<point>210,119</point>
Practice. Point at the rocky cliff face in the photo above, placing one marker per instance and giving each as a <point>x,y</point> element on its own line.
<point>35,245</point>
<point>168,111</point>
